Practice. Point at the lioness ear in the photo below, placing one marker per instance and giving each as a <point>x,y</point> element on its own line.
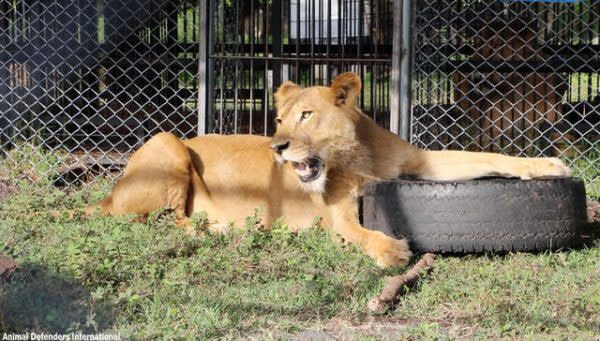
<point>283,93</point>
<point>346,88</point>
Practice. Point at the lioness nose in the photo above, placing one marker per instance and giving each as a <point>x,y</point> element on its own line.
<point>279,147</point>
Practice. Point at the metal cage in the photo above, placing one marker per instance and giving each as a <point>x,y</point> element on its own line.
<point>90,81</point>
<point>516,77</point>
<point>258,44</point>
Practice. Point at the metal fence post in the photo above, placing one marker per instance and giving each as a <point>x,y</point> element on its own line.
<point>395,74</point>
<point>400,96</point>
<point>406,70</point>
<point>6,110</point>
<point>204,46</point>
<point>276,29</point>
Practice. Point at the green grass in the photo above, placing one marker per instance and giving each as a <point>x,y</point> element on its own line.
<point>586,165</point>
<point>150,280</point>
<point>29,161</point>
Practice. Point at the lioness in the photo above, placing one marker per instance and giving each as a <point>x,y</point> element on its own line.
<point>325,150</point>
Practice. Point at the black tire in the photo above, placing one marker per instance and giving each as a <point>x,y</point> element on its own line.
<point>480,215</point>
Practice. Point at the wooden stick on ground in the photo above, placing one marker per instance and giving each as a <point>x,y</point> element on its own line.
<point>398,285</point>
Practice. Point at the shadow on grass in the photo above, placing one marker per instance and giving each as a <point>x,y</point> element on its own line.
<point>39,300</point>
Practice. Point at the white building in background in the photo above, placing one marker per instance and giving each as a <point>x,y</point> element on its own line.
<point>316,21</point>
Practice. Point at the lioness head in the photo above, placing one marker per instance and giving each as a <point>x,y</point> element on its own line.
<point>316,128</point>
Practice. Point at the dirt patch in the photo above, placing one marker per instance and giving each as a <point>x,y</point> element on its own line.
<point>379,328</point>
<point>7,187</point>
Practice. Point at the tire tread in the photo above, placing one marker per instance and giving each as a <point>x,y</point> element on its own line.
<point>480,215</point>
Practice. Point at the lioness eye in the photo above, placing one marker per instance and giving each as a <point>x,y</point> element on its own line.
<point>305,115</point>
<point>278,120</point>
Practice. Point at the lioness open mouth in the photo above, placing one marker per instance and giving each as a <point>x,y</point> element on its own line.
<point>308,170</point>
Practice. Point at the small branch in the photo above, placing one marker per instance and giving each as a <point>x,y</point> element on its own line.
<point>399,285</point>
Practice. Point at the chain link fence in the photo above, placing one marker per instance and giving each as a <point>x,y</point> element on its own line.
<point>516,77</point>
<point>83,83</point>
<point>260,44</point>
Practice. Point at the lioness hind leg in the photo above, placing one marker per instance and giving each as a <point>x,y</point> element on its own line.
<point>157,176</point>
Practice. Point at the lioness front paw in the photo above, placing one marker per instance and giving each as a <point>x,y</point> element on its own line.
<point>387,251</point>
<point>544,167</point>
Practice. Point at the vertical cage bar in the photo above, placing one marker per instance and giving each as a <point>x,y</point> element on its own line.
<point>395,98</point>
<point>5,106</point>
<point>405,69</point>
<point>205,46</point>
<point>236,79</point>
<point>265,99</point>
<point>277,42</point>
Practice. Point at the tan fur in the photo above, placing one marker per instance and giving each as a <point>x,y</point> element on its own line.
<point>230,176</point>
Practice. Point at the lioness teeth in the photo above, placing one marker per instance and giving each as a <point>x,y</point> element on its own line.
<point>301,166</point>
